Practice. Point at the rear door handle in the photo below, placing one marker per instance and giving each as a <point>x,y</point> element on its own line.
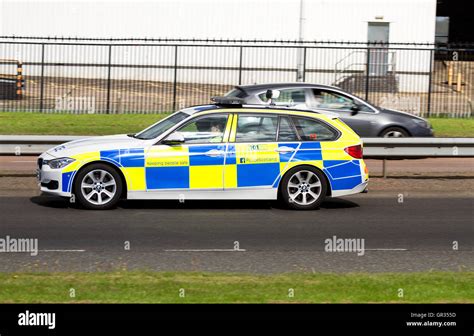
<point>285,149</point>
<point>215,153</point>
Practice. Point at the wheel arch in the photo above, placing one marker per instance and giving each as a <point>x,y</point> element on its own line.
<point>329,188</point>
<point>107,163</point>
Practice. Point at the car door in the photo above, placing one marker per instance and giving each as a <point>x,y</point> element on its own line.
<point>195,164</point>
<point>362,122</point>
<point>252,159</point>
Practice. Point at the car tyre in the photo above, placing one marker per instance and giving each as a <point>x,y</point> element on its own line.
<point>394,132</point>
<point>98,187</point>
<point>303,188</point>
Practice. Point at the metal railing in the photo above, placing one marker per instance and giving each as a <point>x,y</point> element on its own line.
<point>376,148</point>
<point>73,75</point>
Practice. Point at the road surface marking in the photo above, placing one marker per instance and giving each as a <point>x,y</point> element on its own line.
<point>62,250</point>
<point>208,250</point>
<point>387,249</point>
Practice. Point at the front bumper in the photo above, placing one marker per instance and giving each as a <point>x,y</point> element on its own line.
<point>50,180</point>
<point>422,132</point>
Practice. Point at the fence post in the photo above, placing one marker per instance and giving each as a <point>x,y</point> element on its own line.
<point>109,72</point>
<point>367,75</point>
<point>175,79</point>
<point>41,107</point>
<point>304,64</point>
<point>241,51</point>
<point>429,83</point>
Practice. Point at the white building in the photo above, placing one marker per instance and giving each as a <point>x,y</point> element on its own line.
<point>334,20</point>
<point>389,21</point>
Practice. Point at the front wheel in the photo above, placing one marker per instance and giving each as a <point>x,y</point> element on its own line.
<point>303,188</point>
<point>98,186</point>
<point>394,132</point>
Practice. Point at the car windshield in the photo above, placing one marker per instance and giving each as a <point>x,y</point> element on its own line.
<point>157,129</point>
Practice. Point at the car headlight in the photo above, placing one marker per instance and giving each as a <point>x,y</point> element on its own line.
<point>58,163</point>
<point>421,122</point>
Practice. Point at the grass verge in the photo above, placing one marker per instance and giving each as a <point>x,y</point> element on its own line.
<point>74,124</point>
<point>104,124</point>
<point>453,128</point>
<point>159,287</point>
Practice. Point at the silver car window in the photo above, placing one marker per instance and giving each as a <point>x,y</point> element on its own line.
<point>288,96</point>
<point>326,99</point>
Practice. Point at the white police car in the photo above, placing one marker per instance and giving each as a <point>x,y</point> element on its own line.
<point>218,151</point>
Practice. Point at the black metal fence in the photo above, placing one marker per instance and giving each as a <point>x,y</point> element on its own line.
<point>154,76</point>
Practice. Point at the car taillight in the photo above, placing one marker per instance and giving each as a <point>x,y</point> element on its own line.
<point>354,151</point>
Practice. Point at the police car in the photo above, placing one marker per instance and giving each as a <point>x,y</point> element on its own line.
<point>224,150</point>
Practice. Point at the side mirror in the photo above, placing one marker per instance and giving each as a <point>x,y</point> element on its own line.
<point>355,108</point>
<point>175,138</point>
<point>275,94</point>
<point>271,95</point>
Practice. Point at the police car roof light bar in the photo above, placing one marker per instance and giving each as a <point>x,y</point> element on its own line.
<point>228,101</point>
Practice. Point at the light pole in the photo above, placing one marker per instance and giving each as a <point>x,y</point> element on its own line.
<point>301,54</point>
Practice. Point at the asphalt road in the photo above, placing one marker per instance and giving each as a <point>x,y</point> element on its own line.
<point>414,235</point>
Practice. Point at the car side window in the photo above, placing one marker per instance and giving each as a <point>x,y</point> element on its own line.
<point>286,132</point>
<point>333,100</point>
<point>313,130</point>
<point>205,129</point>
<point>256,128</point>
<point>287,96</point>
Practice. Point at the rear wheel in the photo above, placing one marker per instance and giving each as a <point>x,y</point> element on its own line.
<point>98,186</point>
<point>303,188</point>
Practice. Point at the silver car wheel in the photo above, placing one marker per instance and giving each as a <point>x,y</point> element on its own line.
<point>304,187</point>
<point>98,187</point>
<point>393,134</point>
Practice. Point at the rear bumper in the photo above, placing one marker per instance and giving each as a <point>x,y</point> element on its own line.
<point>361,188</point>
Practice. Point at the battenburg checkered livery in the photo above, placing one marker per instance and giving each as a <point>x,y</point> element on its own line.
<point>213,152</point>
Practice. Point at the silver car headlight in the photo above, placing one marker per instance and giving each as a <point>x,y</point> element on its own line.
<point>422,122</point>
<point>58,163</point>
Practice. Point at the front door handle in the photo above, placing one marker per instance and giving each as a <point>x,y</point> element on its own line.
<point>285,149</point>
<point>215,153</point>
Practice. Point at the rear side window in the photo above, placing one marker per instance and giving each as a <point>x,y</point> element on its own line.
<point>286,132</point>
<point>313,130</point>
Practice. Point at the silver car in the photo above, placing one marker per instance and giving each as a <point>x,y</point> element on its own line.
<point>365,119</point>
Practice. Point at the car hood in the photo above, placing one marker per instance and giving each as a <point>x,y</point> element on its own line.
<point>397,113</point>
<point>99,143</point>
